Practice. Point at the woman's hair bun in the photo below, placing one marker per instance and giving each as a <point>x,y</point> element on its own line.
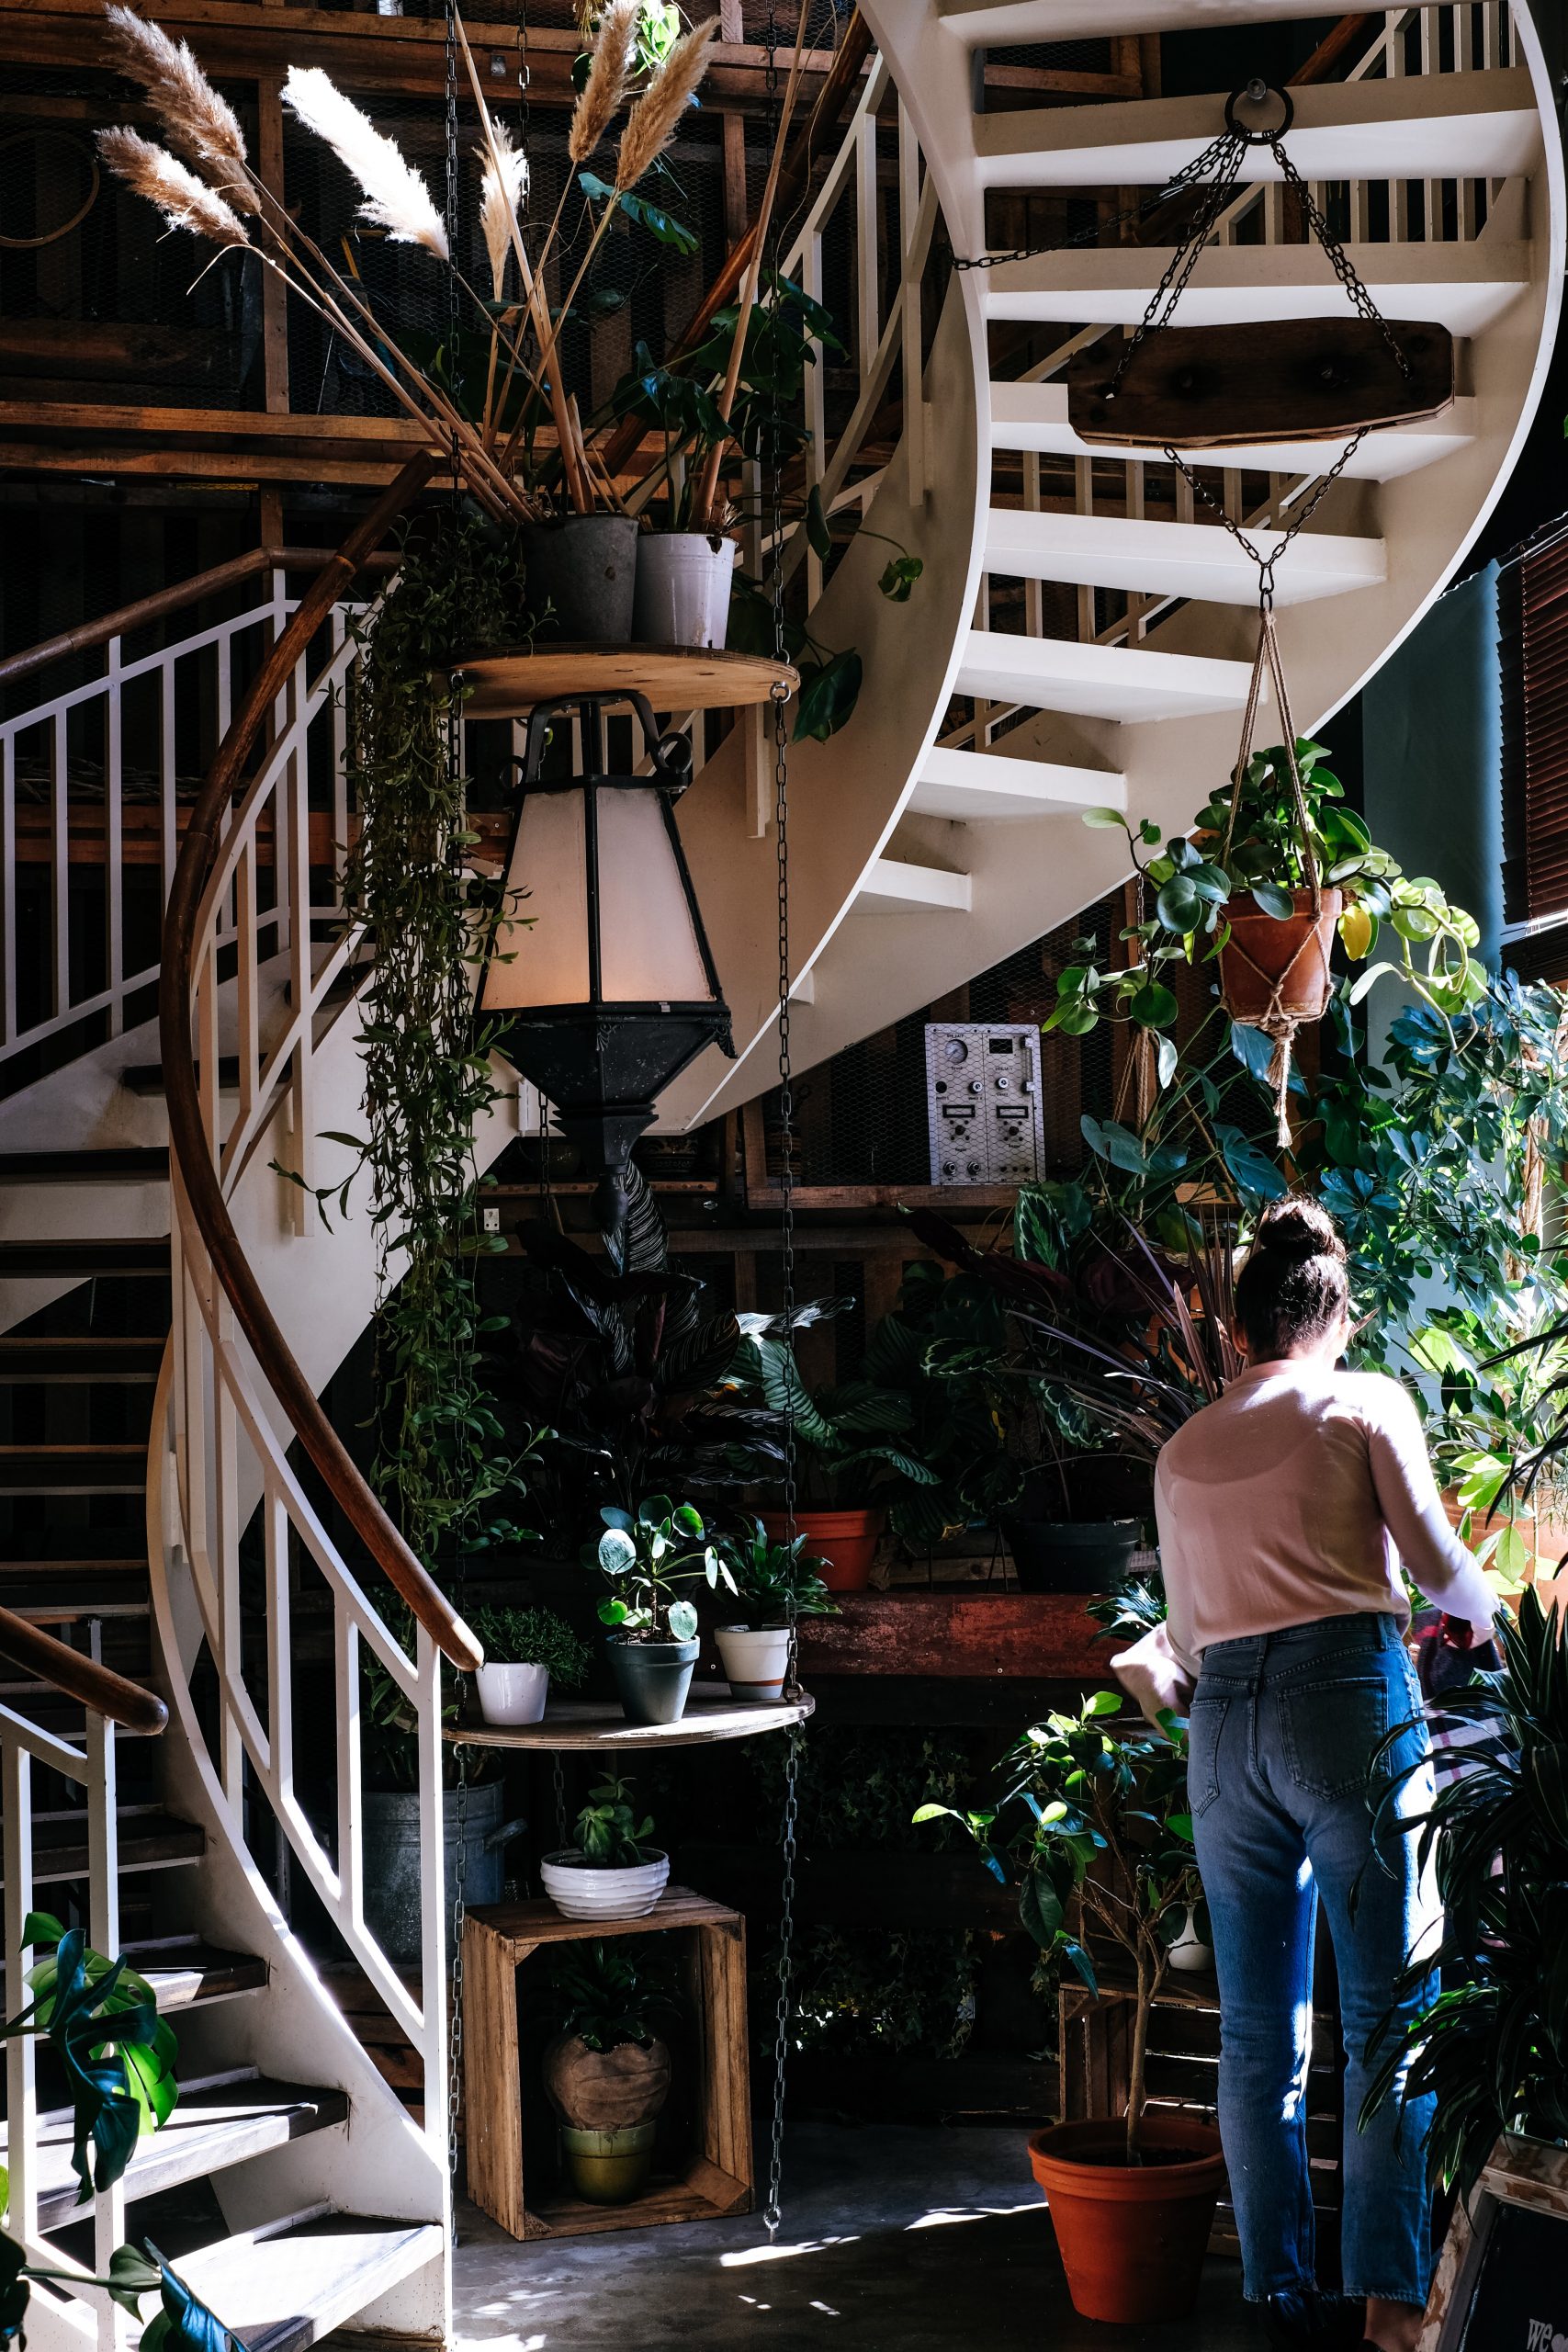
<point>1294,1230</point>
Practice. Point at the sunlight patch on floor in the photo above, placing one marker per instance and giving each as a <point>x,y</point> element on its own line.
<point>745,2257</point>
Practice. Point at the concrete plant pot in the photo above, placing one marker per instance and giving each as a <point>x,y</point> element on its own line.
<point>652,1678</point>
<point>756,1659</point>
<point>513,1694</point>
<point>583,1890</point>
<point>683,588</point>
<point>394,1867</point>
<point>581,577</point>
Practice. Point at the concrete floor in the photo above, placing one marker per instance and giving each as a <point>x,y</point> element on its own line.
<point>894,2239</point>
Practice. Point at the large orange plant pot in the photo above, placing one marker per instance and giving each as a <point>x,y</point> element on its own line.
<point>844,1541</point>
<point>1132,2238</point>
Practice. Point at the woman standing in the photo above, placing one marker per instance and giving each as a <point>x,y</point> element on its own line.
<point>1285,1511</point>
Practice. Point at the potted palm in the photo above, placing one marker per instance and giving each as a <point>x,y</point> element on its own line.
<point>607,2070</point>
<point>779,1582</point>
<point>612,1872</point>
<point>525,1651</point>
<point>650,1556</point>
<point>1093,1821</point>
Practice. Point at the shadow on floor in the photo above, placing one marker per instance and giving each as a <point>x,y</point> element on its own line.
<point>894,2240</point>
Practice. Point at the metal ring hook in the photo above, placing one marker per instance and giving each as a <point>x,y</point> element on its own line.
<point>1255,92</point>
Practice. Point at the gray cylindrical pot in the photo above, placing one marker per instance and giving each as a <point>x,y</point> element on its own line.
<point>652,1678</point>
<point>581,577</point>
<point>393,1877</point>
<point>1068,1555</point>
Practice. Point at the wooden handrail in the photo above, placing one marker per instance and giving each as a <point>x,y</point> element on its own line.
<point>188,1142</point>
<point>164,601</point>
<point>75,1677</point>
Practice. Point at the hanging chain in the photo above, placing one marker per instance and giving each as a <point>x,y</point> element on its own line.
<point>563,1832</point>
<point>773,2210</point>
<point>1267,561</point>
<point>1199,168</point>
<point>1184,260</point>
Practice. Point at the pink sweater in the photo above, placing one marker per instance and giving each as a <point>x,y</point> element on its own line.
<point>1297,1496</point>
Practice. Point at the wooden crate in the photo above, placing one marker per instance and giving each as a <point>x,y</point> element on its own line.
<point>716,2176</point>
<point>1182,2070</point>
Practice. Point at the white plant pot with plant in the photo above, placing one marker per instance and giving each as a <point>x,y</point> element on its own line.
<point>780,1585</point>
<point>683,588</point>
<point>525,1651</point>
<point>612,1872</point>
<point>649,1557</point>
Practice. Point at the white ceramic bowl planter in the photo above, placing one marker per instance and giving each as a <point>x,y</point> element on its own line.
<point>1190,1950</point>
<point>580,1891</point>
<point>513,1694</point>
<point>683,588</point>
<point>756,1658</point>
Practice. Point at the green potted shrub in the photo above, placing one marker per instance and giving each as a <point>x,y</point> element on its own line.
<point>779,1581</point>
<point>650,1557</point>
<point>1094,1820</point>
<point>525,1651</point>
<point>607,2070</point>
<point>612,1872</point>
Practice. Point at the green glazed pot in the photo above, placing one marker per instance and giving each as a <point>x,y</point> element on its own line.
<point>652,1678</point>
<point>609,2168</point>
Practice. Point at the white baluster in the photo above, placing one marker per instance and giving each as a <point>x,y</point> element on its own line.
<point>8,886</point>
<point>114,843</point>
<point>59,854</point>
<point>21,2085</point>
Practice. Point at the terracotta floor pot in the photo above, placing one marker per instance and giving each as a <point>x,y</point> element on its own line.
<point>845,1541</point>
<point>1131,2240</point>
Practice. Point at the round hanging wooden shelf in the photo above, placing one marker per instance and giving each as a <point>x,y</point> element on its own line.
<point>710,1716</point>
<point>673,677</point>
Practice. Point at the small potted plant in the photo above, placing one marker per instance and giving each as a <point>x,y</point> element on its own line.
<point>777,1582</point>
<point>1094,1820</point>
<point>525,1651</point>
<point>648,1556</point>
<point>612,1872</point>
<point>607,2070</point>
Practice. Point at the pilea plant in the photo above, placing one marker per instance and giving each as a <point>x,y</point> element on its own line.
<point>649,1555</point>
<point>1247,845</point>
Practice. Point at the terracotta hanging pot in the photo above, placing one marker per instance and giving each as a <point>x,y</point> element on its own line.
<point>1278,966</point>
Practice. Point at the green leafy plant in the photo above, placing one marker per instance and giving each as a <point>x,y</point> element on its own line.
<point>1093,1821</point>
<point>532,1637</point>
<point>610,1993</point>
<point>649,1555</point>
<point>1492,2048</point>
<point>609,1835</point>
<point>1190,883</point>
<point>854,1440</point>
<point>777,1580</point>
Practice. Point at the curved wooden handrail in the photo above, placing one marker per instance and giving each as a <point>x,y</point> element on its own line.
<point>75,1677</point>
<point>187,1136</point>
<point>164,601</point>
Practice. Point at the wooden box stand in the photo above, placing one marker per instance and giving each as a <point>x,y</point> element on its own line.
<point>716,2177</point>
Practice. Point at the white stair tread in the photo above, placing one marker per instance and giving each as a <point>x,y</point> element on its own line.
<point>1463,287</point>
<point>1007,24</point>
<point>283,2292</point>
<point>893,885</point>
<point>1159,559</point>
<point>212,2128</point>
<point>978,785</point>
<point>1415,126</point>
<point>1034,416</point>
<point>1099,681</point>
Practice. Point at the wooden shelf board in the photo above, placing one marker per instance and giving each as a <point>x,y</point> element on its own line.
<point>673,677</point>
<point>520,1927</point>
<point>704,2192</point>
<point>981,1633</point>
<point>711,1714</point>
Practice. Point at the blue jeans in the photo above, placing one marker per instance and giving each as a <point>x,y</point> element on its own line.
<point>1283,1729</point>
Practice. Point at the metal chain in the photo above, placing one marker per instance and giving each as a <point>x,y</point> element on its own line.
<point>773,2210</point>
<point>1197,169</point>
<point>1344,268</point>
<point>562,1831</point>
<point>1265,562</point>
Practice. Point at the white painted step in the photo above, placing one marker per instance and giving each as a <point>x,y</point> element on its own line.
<point>973,787</point>
<point>1007,24</point>
<point>1034,417</point>
<point>1464,287</point>
<point>1471,126</point>
<point>894,887</point>
<point>283,2290</point>
<point>1156,559</point>
<point>1099,681</point>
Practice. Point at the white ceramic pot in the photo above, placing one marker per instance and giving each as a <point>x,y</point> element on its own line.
<point>683,588</point>
<point>580,1892</point>
<point>756,1658</point>
<point>1188,1951</point>
<point>513,1694</point>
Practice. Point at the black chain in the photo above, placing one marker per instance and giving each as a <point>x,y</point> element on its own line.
<point>1265,562</point>
<point>1196,170</point>
<point>772,2211</point>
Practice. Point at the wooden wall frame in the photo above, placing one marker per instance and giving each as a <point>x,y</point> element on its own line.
<point>1530,2175</point>
<point>717,2179</point>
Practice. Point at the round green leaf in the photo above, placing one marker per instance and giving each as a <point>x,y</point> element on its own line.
<point>1180,905</point>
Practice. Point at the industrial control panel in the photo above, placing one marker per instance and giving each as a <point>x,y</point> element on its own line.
<point>986,1118</point>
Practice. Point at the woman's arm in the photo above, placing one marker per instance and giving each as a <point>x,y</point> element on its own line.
<point>1447,1570</point>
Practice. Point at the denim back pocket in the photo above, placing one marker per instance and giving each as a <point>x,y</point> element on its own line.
<point>1331,1733</point>
<point>1205,1722</point>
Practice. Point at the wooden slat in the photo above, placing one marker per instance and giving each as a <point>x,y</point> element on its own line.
<point>990,1635</point>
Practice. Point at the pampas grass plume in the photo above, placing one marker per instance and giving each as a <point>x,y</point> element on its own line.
<point>505,181</point>
<point>609,68</point>
<point>396,197</point>
<point>197,122</point>
<point>184,202</point>
<point>653,121</point>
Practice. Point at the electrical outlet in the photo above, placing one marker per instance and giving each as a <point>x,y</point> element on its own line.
<point>491,1219</point>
